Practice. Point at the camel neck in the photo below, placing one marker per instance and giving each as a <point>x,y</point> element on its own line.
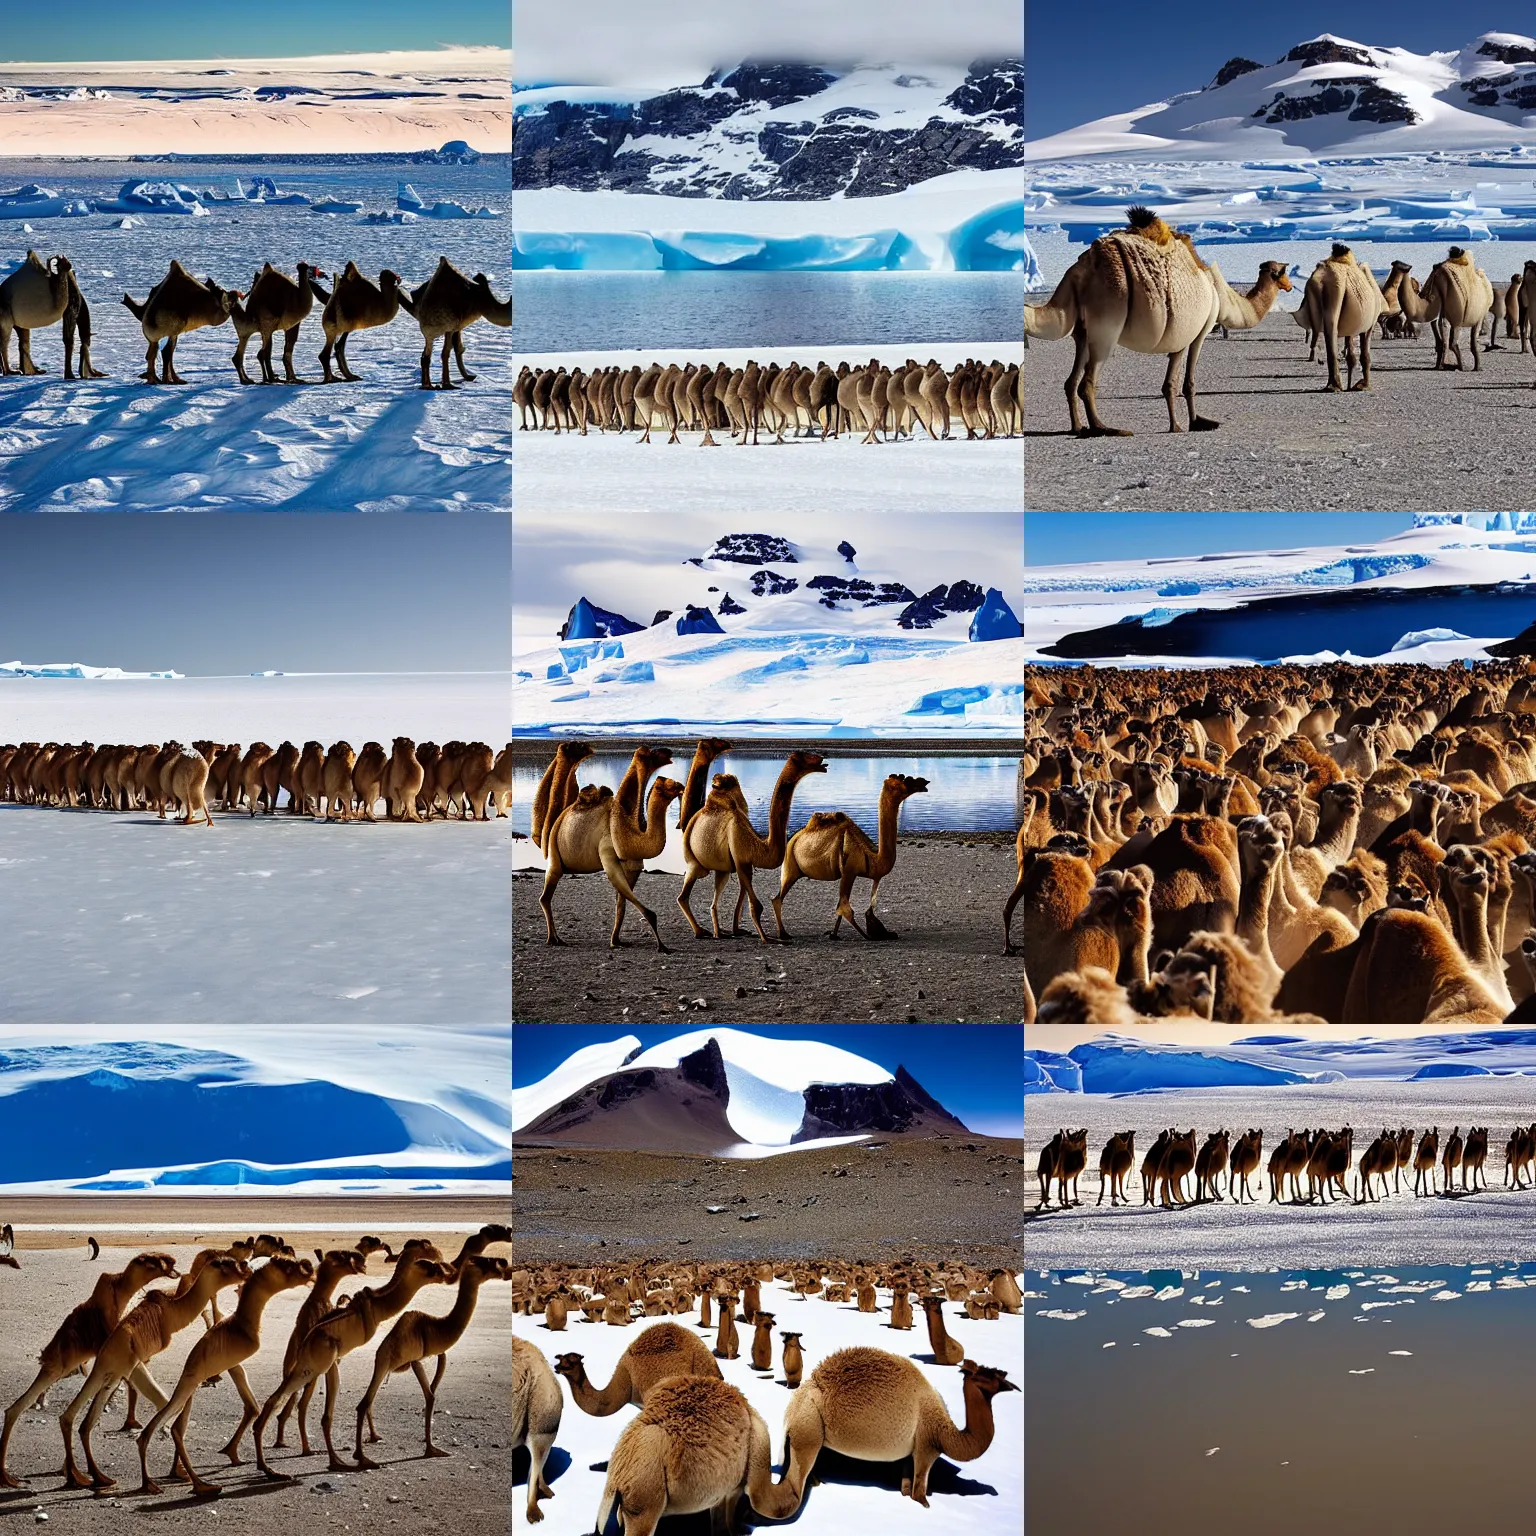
<point>457,1320</point>
<point>1253,908</point>
<point>970,1442</point>
<point>254,1296</point>
<point>890,813</point>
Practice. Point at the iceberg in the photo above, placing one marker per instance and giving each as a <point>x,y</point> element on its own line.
<point>152,197</point>
<point>699,621</point>
<point>407,200</point>
<point>1424,636</point>
<point>995,620</point>
<point>1116,1066</point>
<point>79,670</point>
<point>35,202</point>
<point>589,622</point>
<point>335,205</point>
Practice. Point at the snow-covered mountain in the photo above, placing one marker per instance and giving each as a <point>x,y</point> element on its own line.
<point>1330,96</point>
<point>775,131</point>
<point>725,1092</point>
<point>1453,587</point>
<point>761,628</point>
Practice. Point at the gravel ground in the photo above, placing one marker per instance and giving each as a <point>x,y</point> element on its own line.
<point>1399,1230</point>
<point>410,1495</point>
<point>932,1197</point>
<point>944,898</point>
<point>1418,441</point>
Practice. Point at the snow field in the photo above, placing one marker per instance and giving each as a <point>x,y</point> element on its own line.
<point>980,1498</point>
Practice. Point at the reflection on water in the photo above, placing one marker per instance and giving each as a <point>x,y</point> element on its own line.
<point>1364,1399</point>
<point>965,794</point>
<point>602,311</point>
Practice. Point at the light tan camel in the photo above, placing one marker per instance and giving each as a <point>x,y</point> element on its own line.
<point>32,297</point>
<point>945,1350</point>
<point>794,1359</point>
<point>402,779</point>
<point>348,1327</point>
<point>355,304</point>
<point>276,303</point>
<point>1457,295</point>
<point>445,306</point>
<point>80,1336</point>
<point>418,1337</point>
<point>537,1405</point>
<point>1144,288</point>
<point>178,304</point>
<point>832,846</point>
<point>556,789</point>
<point>876,1406</point>
<point>722,839</point>
<point>224,1348</point>
<point>697,1445</point>
<point>1342,302</point>
<point>694,790</point>
<point>142,1334</point>
<point>662,1350</point>
<point>604,831</point>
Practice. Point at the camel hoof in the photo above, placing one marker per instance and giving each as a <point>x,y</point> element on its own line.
<point>1356,388</point>
<point>1203,424</point>
<point>1104,432</point>
<point>1330,388</point>
<point>433,1450</point>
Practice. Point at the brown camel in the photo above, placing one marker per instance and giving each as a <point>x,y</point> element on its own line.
<point>276,303</point>
<point>556,789</point>
<point>178,304</point>
<point>445,306</point>
<point>662,1350</point>
<point>355,304</point>
<point>832,846</point>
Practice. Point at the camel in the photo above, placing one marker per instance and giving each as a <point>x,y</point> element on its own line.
<point>349,1327</point>
<point>704,754</point>
<point>537,1406</point>
<point>1457,295</point>
<point>418,1337</point>
<point>223,1348</point>
<point>722,839</point>
<point>178,304</point>
<point>81,1335</point>
<point>876,1406</point>
<point>697,1445</point>
<point>1115,1162</point>
<point>662,1350</point>
<point>355,304</point>
<point>8,1259</point>
<point>1014,896</point>
<point>1244,1163</point>
<point>945,1350</point>
<point>832,846</point>
<point>39,294</point>
<point>762,1341</point>
<point>142,1334</point>
<point>1144,288</point>
<point>727,1345</point>
<point>401,780</point>
<point>1341,300</point>
<point>445,306</point>
<point>603,831</point>
<point>556,789</point>
<point>276,303</point>
<point>901,1308</point>
<point>794,1359</point>
<point>187,780</point>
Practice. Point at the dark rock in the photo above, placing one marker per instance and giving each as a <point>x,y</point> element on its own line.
<point>991,86</point>
<point>706,1068</point>
<point>661,614</point>
<point>924,612</point>
<point>964,597</point>
<point>1376,104</point>
<point>771,584</point>
<point>753,549</point>
<point>846,550</point>
<point>833,1109</point>
<point>728,604</point>
<point>777,84</point>
<point>1507,53</point>
<point>1232,70</point>
<point>1324,50</point>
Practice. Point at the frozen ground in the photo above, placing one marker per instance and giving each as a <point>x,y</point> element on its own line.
<point>117,444</point>
<point>979,1498</point>
<point>331,1111</point>
<point>348,103</point>
<point>427,706</point>
<point>559,473</point>
<point>1400,1229</point>
<point>127,918</point>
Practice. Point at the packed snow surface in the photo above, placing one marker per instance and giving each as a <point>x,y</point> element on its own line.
<point>1061,600</point>
<point>322,1109</point>
<point>984,1497</point>
<point>361,103</point>
<point>767,1080</point>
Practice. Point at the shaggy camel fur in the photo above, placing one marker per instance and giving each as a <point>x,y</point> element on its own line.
<point>537,1405</point>
<point>1456,296</point>
<point>663,1350</point>
<point>876,1406</point>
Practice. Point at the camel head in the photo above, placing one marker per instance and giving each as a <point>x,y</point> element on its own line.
<point>1276,272</point>
<point>350,1261</point>
<point>156,1266</point>
<point>1260,845</point>
<point>487,1268</point>
<point>649,759</point>
<point>495,1232</point>
<point>901,786</point>
<point>268,1246</point>
<point>1409,894</point>
<point>291,1273</point>
<point>803,763</point>
<point>570,1366</point>
<point>388,281</point>
<point>229,1269</point>
<point>987,1379</point>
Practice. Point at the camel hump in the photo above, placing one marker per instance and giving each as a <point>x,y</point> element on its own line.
<point>1342,254</point>
<point>820,819</point>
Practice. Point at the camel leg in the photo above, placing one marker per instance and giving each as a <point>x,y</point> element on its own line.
<point>877,929</point>
<point>364,1408</point>
<point>95,1389</point>
<point>429,1391</point>
<point>845,906</point>
<point>24,347</point>
<point>1088,391</point>
<point>249,1408</point>
<point>1197,422</point>
<point>28,1399</point>
<point>1013,900</point>
<point>6,327</point>
<point>1365,362</point>
<point>426,365</point>
<point>341,360</point>
<point>264,357</point>
<point>1168,390</point>
<point>615,872</point>
<point>754,902</point>
<point>288,1389</point>
<point>458,357</point>
<point>447,350</point>
<point>1477,363</point>
<point>619,910</point>
<point>168,363</point>
<point>290,341</point>
<point>98,1479</point>
<point>328,1413</point>
<point>179,1404</point>
<point>690,879</point>
<point>1075,379</point>
<point>151,353</point>
<point>788,877</point>
<point>325,357</point>
<point>547,895</point>
<point>923,1458</point>
<point>239,360</point>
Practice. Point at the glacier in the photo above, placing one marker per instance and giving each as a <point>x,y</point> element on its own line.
<point>79,669</point>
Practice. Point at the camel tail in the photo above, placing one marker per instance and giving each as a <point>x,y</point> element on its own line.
<point>1057,316</point>
<point>605,1506</point>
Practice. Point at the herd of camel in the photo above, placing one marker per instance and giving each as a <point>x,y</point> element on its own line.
<point>1331,844</point>
<point>417,781</point>
<point>697,1444</point>
<point>1147,289</point>
<point>112,1344</point>
<point>987,399</point>
<point>1305,1167</point>
<point>42,293</point>
<point>590,829</point>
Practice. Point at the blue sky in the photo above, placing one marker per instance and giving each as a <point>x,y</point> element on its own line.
<point>220,593</point>
<point>1138,53</point>
<point>155,29</point>
<point>1064,538</point>
<point>976,1071</point>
